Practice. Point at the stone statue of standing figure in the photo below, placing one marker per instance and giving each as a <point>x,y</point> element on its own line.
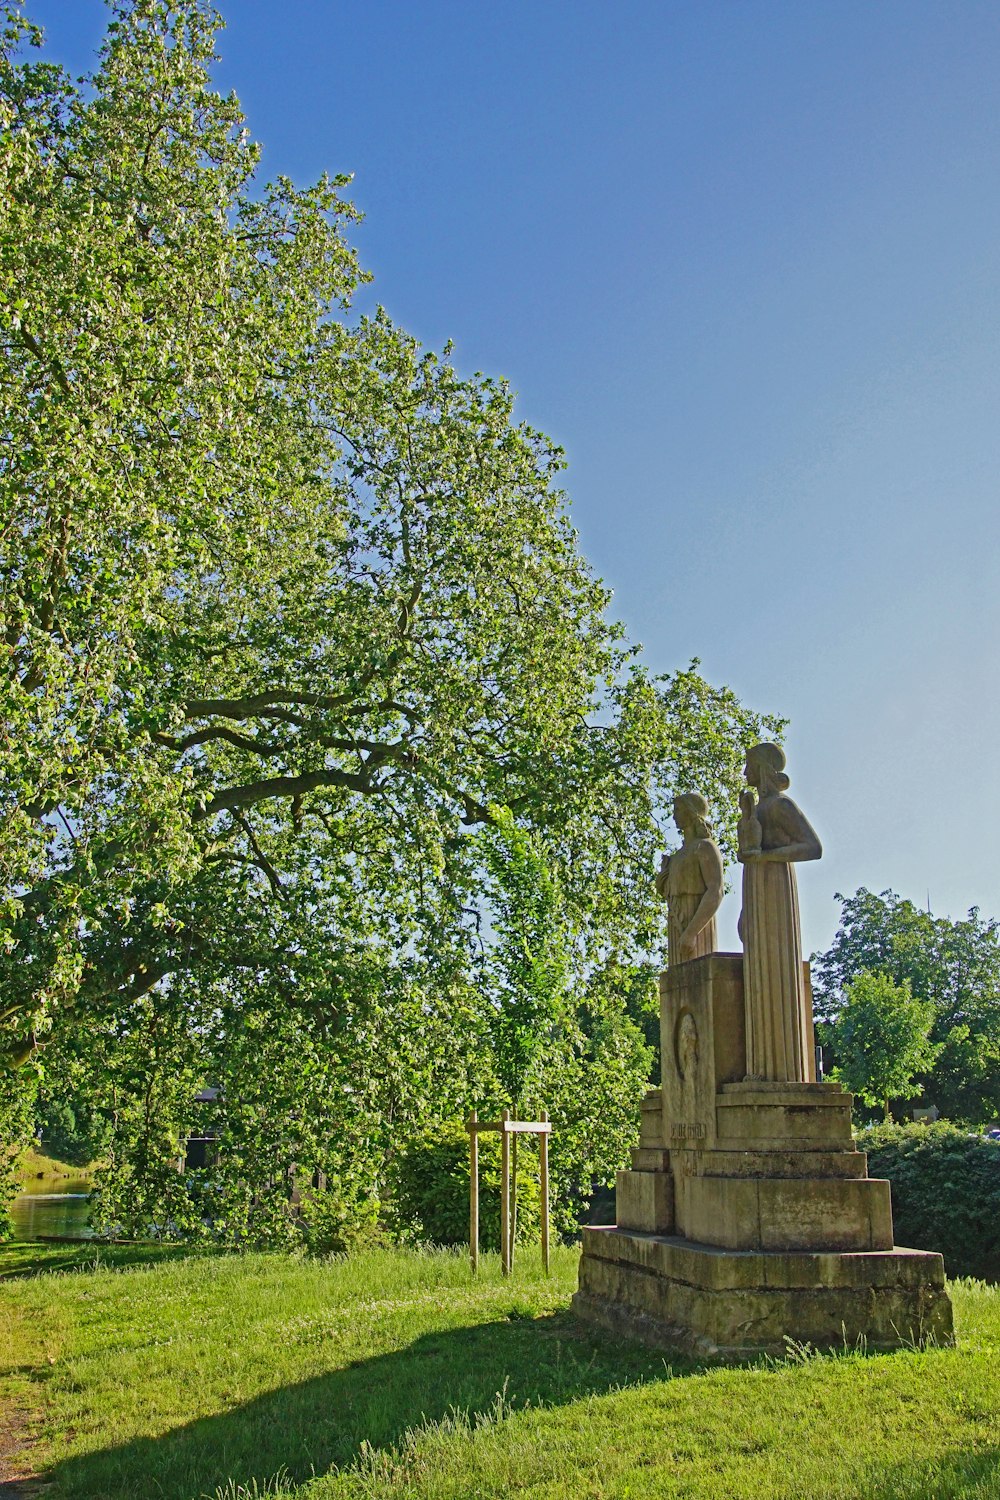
<point>691,882</point>
<point>773,835</point>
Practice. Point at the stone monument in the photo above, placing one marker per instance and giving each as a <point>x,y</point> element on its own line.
<point>748,1217</point>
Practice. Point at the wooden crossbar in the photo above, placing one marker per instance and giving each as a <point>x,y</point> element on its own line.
<point>506,1127</point>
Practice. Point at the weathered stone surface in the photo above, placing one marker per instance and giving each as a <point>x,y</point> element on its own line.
<point>645,1201</point>
<point>691,882</point>
<point>774,836</point>
<point>701,1043</point>
<point>776,1231</point>
<point>785,1213</point>
<point>650,1159</point>
<point>759,1090</point>
<point>651,1120</point>
<point>680,1294</point>
<point>776,1117</point>
<point>775,1163</point>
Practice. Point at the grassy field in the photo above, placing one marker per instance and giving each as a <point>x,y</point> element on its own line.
<point>393,1374</point>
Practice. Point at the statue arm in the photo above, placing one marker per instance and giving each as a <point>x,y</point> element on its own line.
<point>800,841</point>
<point>710,864</point>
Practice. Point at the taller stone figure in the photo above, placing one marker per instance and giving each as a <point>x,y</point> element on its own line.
<point>691,883</point>
<point>774,835</point>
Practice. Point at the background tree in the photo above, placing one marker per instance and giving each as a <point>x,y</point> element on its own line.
<point>526,961</point>
<point>953,964</point>
<point>289,604</point>
<point>271,582</point>
<point>881,1039</point>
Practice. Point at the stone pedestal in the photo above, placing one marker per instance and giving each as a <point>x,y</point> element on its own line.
<point>748,1216</point>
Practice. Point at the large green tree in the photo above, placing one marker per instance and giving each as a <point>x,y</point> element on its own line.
<point>955,965</point>
<point>289,605</point>
<point>269,579</point>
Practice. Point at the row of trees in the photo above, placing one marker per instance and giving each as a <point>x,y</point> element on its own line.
<point>909,1006</point>
<point>327,780</point>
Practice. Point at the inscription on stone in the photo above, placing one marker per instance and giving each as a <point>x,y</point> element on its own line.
<point>682,1130</point>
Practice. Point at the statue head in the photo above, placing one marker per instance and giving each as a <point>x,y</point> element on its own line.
<point>765,768</point>
<point>691,815</point>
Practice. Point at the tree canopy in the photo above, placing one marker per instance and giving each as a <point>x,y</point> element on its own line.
<point>954,965</point>
<point>291,609</point>
<point>881,1038</point>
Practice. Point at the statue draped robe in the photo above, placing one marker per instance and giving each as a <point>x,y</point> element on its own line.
<point>683,887</point>
<point>777,1002</point>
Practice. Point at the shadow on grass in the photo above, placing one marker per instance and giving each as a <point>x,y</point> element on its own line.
<point>973,1475</point>
<point>306,1428</point>
<point>35,1257</point>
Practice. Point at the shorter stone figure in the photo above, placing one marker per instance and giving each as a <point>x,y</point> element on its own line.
<point>691,882</point>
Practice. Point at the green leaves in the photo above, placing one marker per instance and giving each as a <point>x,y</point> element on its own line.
<point>881,1038</point>
<point>954,965</point>
<point>321,755</point>
<point>527,964</point>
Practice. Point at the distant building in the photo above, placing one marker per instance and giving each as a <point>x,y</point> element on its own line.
<point>201,1150</point>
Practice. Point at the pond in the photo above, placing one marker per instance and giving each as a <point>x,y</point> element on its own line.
<point>53,1206</point>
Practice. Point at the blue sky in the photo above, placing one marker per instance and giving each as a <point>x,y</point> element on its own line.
<point>742,259</point>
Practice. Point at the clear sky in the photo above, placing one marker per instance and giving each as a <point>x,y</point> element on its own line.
<point>742,259</point>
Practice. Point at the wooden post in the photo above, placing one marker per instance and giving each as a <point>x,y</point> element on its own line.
<point>508,1188</point>
<point>504,1195</point>
<point>513,1201</point>
<point>543,1183</point>
<point>474,1192</point>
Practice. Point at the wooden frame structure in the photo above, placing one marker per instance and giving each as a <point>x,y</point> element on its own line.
<point>507,1128</point>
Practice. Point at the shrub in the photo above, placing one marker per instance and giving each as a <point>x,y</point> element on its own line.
<point>430,1188</point>
<point>945,1192</point>
<point>339,1218</point>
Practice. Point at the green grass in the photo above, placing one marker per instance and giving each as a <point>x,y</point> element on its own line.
<point>393,1374</point>
<point>19,1258</point>
<point>33,1164</point>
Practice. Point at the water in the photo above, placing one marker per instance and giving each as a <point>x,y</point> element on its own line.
<point>54,1206</point>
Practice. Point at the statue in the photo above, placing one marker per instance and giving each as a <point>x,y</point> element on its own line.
<point>773,836</point>
<point>690,882</point>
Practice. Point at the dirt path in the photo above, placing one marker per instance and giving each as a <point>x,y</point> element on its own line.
<point>17,1472</point>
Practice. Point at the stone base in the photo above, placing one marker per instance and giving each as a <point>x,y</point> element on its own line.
<point>676,1293</point>
<point>645,1200</point>
<point>780,1213</point>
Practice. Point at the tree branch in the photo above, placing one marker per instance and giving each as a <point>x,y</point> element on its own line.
<point>262,705</point>
<point>51,363</point>
<point>283,786</point>
<point>218,732</point>
<point>261,858</point>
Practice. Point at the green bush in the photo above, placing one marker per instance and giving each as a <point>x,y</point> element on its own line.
<point>338,1218</point>
<point>945,1192</point>
<point>430,1188</point>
